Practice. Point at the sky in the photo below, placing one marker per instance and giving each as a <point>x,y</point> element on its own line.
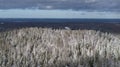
<point>60,9</point>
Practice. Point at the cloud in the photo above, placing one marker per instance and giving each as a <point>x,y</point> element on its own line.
<point>90,1</point>
<point>97,5</point>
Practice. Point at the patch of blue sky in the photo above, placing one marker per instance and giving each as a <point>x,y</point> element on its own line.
<point>37,13</point>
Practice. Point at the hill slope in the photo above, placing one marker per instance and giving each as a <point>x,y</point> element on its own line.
<point>43,47</point>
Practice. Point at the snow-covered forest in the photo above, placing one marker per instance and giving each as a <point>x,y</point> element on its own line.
<point>45,47</point>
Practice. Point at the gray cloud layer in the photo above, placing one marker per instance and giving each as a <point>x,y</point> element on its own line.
<point>101,5</point>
